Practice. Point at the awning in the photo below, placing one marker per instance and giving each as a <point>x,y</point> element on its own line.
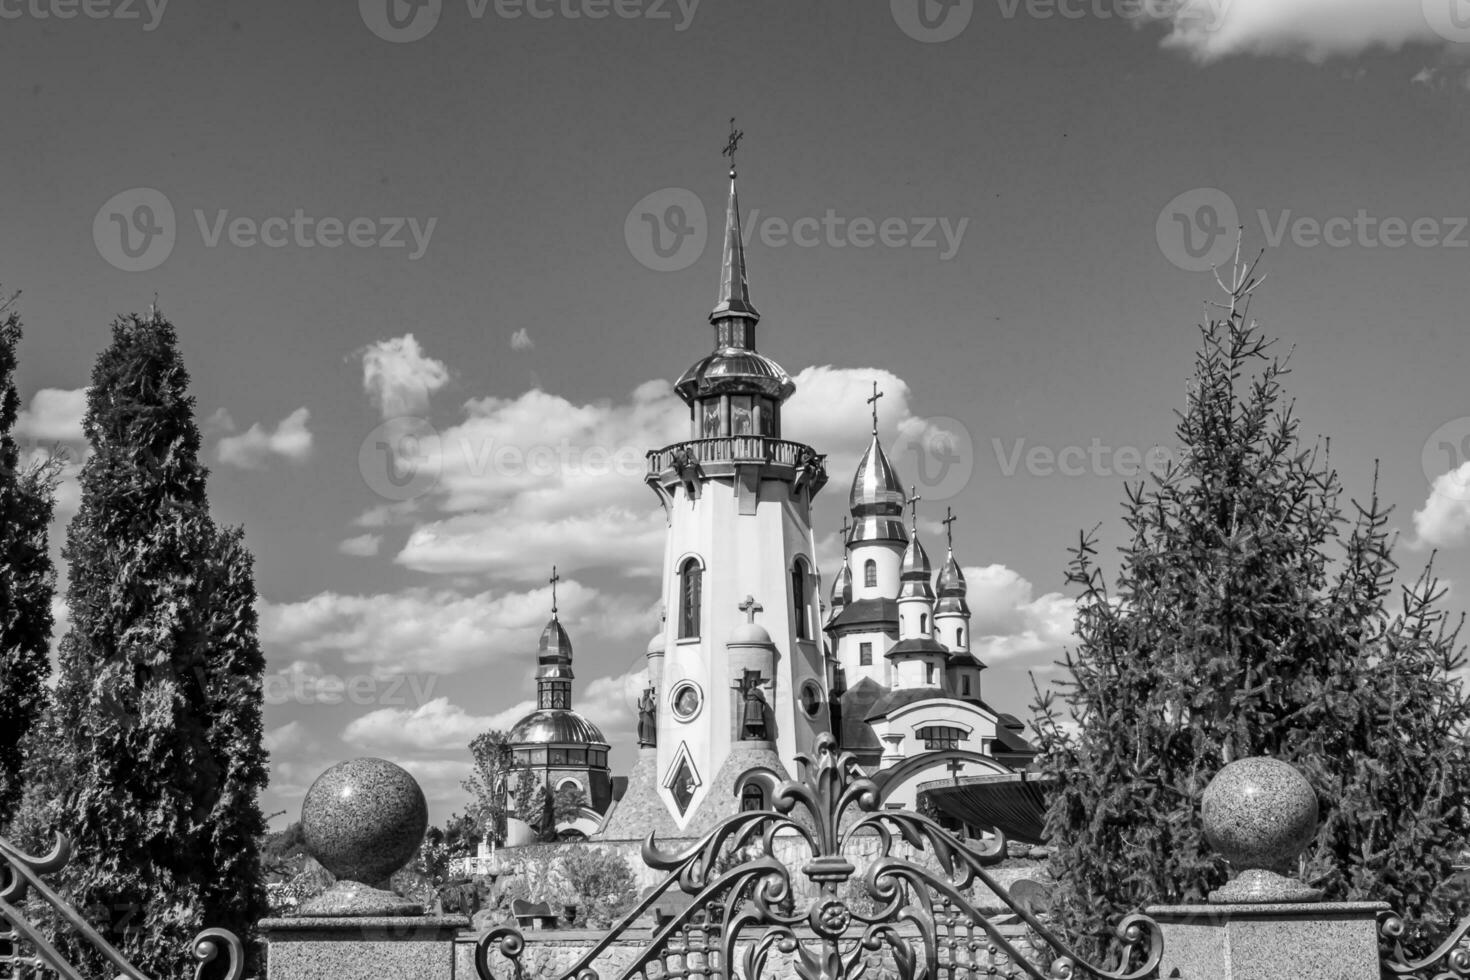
<point>1013,803</point>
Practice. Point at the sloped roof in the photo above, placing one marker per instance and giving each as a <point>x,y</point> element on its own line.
<point>866,612</point>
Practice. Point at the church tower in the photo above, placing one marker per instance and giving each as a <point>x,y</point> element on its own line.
<point>743,680</point>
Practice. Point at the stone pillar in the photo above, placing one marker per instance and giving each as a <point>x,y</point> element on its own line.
<point>362,820</point>
<point>362,948</point>
<point>1270,941</point>
<point>1260,814</point>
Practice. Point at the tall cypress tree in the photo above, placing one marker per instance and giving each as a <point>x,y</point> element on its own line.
<point>159,700</point>
<point>27,580</point>
<point>1252,616</point>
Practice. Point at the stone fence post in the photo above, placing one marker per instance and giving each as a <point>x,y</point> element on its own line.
<point>1260,814</point>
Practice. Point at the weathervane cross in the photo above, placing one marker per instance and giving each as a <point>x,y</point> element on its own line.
<point>736,135</point>
<point>914,499</point>
<point>555,578</point>
<point>874,402</point>
<point>750,607</point>
<point>948,523</point>
<point>846,528</point>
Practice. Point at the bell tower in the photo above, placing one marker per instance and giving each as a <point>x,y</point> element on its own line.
<point>744,680</point>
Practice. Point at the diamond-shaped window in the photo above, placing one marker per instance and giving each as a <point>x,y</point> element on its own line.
<point>683,785</point>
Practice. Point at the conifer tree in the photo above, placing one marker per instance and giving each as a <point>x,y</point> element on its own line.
<point>27,580</point>
<point>1251,616</point>
<point>159,698</point>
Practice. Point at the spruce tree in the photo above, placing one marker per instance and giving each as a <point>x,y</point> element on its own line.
<point>27,580</point>
<point>159,699</point>
<point>1252,616</point>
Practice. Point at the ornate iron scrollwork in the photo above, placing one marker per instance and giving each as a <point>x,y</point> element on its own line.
<point>23,871</point>
<point>919,921</point>
<point>1451,961</point>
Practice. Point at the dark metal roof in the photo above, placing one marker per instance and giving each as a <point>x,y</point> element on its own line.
<point>1013,803</point>
<point>866,612</point>
<point>915,647</point>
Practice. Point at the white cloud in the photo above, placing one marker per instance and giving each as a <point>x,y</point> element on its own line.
<point>362,546</point>
<point>521,340</point>
<point>540,472</point>
<point>399,377</point>
<point>1008,622</point>
<point>432,728</point>
<point>1444,520</point>
<point>54,415</point>
<point>1314,30</point>
<point>291,739</point>
<point>291,440</point>
<point>441,631</point>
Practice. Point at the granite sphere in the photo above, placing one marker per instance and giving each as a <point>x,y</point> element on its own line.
<point>1259,813</point>
<point>363,819</point>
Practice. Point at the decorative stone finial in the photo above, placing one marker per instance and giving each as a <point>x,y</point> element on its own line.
<point>1260,814</point>
<point>363,819</point>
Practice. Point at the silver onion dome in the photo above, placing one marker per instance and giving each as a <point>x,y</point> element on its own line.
<point>914,573</point>
<point>556,726</point>
<point>876,499</point>
<point>952,589</point>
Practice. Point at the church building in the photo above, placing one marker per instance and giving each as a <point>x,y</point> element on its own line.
<point>747,670</point>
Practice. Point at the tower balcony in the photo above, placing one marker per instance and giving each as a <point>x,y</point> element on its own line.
<point>775,459</point>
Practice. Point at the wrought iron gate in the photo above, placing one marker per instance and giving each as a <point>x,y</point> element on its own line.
<point>895,917</point>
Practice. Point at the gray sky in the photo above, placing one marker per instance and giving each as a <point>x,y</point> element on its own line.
<point>987,214</point>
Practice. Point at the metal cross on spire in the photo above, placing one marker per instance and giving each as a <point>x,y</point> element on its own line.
<point>750,607</point>
<point>948,523</point>
<point>555,578</point>
<point>846,528</point>
<point>874,402</point>
<point>914,499</point>
<point>736,135</point>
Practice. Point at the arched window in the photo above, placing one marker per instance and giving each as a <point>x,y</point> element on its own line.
<point>798,599</point>
<point>751,797</point>
<point>870,574</point>
<point>689,598</point>
<point>959,636</point>
<point>923,622</point>
<point>928,673</point>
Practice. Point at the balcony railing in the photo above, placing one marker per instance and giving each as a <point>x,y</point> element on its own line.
<point>733,449</point>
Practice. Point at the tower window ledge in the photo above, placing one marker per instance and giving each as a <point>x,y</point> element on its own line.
<point>688,641</point>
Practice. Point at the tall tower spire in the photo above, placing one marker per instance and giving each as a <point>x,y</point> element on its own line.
<point>734,296</point>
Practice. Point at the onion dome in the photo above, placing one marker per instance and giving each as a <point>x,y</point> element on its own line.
<point>554,658</point>
<point>876,499</point>
<point>914,573</point>
<point>736,370</point>
<point>952,589</point>
<point>559,726</point>
<point>656,644</point>
<point>842,588</point>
